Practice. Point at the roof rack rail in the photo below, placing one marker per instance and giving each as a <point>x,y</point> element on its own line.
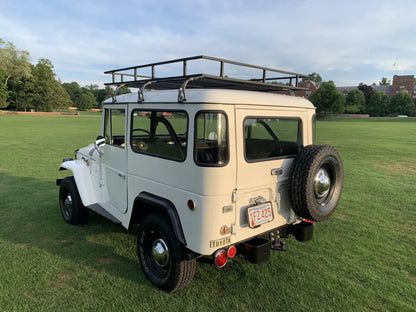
<point>130,77</point>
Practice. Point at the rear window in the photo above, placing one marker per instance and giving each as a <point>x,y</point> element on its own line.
<point>271,137</point>
<point>211,139</point>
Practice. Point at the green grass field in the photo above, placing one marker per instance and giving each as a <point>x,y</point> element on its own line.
<point>362,259</point>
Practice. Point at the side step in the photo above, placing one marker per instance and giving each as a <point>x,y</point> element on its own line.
<point>101,211</point>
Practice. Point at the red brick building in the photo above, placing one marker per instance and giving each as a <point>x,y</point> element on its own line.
<point>311,87</point>
<point>403,83</point>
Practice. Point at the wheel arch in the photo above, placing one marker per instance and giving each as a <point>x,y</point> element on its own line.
<point>146,203</point>
<point>83,180</point>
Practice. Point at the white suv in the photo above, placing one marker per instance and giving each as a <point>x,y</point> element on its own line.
<point>207,165</point>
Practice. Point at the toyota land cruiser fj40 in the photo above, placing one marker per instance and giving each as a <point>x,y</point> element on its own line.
<point>207,166</point>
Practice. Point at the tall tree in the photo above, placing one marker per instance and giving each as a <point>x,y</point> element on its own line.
<point>3,89</point>
<point>14,62</point>
<point>378,105</point>
<point>103,94</point>
<point>355,101</point>
<point>368,93</point>
<point>74,92</point>
<point>384,82</point>
<point>87,100</point>
<point>313,77</point>
<point>328,99</point>
<point>48,93</point>
<point>402,103</point>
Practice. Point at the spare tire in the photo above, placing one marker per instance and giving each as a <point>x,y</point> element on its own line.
<point>316,181</point>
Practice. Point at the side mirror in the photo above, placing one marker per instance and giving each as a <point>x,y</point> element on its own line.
<point>99,142</point>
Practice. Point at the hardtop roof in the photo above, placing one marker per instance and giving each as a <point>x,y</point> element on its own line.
<point>215,96</point>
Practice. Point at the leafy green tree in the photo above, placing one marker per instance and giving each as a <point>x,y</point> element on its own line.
<point>368,93</point>
<point>102,94</point>
<point>74,91</point>
<point>3,89</point>
<point>379,104</point>
<point>14,62</point>
<point>384,82</point>
<point>355,101</point>
<point>402,103</point>
<point>123,90</point>
<point>87,100</point>
<point>328,99</point>
<point>313,77</point>
<point>92,88</point>
<point>48,93</point>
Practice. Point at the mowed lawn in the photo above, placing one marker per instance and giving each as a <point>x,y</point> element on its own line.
<point>362,259</point>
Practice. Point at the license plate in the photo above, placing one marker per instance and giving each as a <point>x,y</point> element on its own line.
<point>259,214</point>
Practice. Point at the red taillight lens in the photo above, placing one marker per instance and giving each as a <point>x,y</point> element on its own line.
<point>220,258</point>
<point>232,251</point>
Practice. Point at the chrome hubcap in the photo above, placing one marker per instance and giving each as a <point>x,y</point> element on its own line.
<point>322,183</point>
<point>68,205</point>
<point>68,201</point>
<point>160,252</point>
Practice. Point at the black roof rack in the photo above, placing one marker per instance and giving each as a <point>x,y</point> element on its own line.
<point>130,77</point>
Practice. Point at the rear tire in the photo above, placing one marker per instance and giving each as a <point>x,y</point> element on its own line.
<point>162,258</point>
<point>316,182</point>
<point>72,209</point>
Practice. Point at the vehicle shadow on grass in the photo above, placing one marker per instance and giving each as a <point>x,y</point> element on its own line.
<point>30,217</point>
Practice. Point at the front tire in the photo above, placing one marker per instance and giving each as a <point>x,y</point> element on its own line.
<point>72,209</point>
<point>161,256</point>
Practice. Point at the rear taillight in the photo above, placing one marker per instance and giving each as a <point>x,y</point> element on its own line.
<point>232,251</point>
<point>222,255</point>
<point>220,258</point>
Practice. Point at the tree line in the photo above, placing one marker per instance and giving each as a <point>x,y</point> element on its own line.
<point>363,100</point>
<point>24,86</point>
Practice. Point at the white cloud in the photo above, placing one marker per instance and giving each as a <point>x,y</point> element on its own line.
<point>342,41</point>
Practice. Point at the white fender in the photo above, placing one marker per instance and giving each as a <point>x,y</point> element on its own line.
<point>83,180</point>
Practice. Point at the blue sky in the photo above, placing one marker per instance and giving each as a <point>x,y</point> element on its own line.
<point>345,41</point>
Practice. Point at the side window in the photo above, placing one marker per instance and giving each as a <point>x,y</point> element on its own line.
<point>211,139</point>
<point>114,126</point>
<point>160,133</point>
<point>270,138</point>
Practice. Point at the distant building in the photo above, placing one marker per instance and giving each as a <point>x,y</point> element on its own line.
<point>311,87</point>
<point>404,83</point>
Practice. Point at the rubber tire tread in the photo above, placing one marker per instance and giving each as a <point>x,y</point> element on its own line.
<point>79,211</point>
<point>303,171</point>
<point>183,269</point>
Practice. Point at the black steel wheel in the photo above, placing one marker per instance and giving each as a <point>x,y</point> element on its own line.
<point>161,256</point>
<point>72,209</point>
<point>316,182</point>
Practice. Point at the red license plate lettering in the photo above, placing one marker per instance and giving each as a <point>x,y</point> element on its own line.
<point>260,214</point>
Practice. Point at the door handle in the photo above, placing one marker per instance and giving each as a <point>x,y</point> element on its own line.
<point>277,171</point>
